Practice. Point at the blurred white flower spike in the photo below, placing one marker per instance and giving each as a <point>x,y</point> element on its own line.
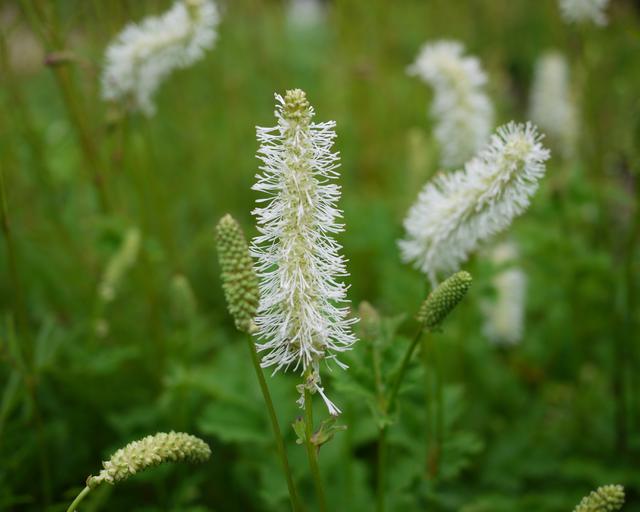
<point>302,317</point>
<point>461,108</point>
<point>143,55</point>
<point>581,11</point>
<point>504,316</point>
<point>456,211</point>
<point>552,106</point>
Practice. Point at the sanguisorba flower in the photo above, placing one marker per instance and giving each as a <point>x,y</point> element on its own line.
<point>456,211</point>
<point>148,452</point>
<point>504,315</point>
<point>143,55</point>
<point>302,317</point>
<point>607,498</point>
<point>552,106</point>
<point>461,107</point>
<point>580,11</point>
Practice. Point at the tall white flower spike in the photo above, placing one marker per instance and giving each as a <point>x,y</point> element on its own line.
<point>552,105</point>
<point>456,211</point>
<point>143,55</point>
<point>302,318</point>
<point>580,11</point>
<point>504,316</point>
<point>461,107</point>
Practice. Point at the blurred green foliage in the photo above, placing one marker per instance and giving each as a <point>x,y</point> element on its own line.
<point>530,427</point>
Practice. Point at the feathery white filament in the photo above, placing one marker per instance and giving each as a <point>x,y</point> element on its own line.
<point>456,211</point>
<point>551,106</point>
<point>504,316</point>
<point>143,55</point>
<point>300,319</point>
<point>461,107</point>
<point>580,11</point>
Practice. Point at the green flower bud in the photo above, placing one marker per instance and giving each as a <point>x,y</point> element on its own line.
<point>239,280</point>
<point>607,498</point>
<point>444,299</point>
<point>148,452</point>
<point>296,106</point>
<point>369,321</point>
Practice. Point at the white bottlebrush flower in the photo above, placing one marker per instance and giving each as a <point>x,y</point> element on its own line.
<point>301,317</point>
<point>143,55</point>
<point>552,106</point>
<point>456,211</point>
<point>580,11</point>
<point>504,316</point>
<point>461,107</point>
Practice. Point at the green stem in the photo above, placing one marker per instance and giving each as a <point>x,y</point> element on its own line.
<point>274,424</point>
<point>403,368</point>
<point>382,433</point>
<point>312,451</point>
<point>439,412</point>
<point>78,499</point>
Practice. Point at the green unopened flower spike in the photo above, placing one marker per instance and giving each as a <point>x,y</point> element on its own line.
<point>607,498</point>
<point>239,280</point>
<point>148,452</point>
<point>444,299</point>
<point>145,453</point>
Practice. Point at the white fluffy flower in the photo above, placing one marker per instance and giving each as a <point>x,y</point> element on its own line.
<point>579,11</point>
<point>456,211</point>
<point>301,318</point>
<point>144,54</point>
<point>551,105</point>
<point>504,316</point>
<point>461,107</point>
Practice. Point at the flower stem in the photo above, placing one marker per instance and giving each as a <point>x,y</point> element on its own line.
<point>312,451</point>
<point>274,424</point>
<point>382,433</point>
<point>78,499</point>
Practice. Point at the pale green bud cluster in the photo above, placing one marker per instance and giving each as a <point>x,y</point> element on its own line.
<point>239,281</point>
<point>296,106</point>
<point>607,498</point>
<point>369,321</point>
<point>119,264</point>
<point>148,452</point>
<point>444,299</point>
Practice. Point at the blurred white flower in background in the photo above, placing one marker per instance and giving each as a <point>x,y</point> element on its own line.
<point>461,107</point>
<point>144,54</point>
<point>505,314</point>
<point>552,105</point>
<point>304,14</point>
<point>580,11</point>
<point>456,211</point>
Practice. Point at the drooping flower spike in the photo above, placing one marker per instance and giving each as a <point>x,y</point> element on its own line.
<point>461,108</point>
<point>302,318</point>
<point>581,11</point>
<point>143,55</point>
<point>608,498</point>
<point>456,211</point>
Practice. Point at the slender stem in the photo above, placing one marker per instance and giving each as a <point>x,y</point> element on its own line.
<point>403,368</point>
<point>312,451</point>
<point>274,424</point>
<point>382,433</point>
<point>439,412</point>
<point>382,464</point>
<point>78,499</point>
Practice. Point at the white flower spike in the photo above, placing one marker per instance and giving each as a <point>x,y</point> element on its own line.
<point>461,107</point>
<point>143,55</point>
<point>456,211</point>
<point>302,318</point>
<point>581,11</point>
<point>504,316</point>
<point>552,105</point>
